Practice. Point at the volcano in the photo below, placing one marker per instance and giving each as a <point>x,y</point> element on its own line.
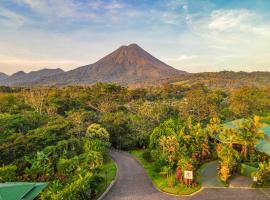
<point>127,65</point>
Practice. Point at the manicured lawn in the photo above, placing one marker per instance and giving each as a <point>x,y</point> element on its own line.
<point>158,180</point>
<point>109,167</point>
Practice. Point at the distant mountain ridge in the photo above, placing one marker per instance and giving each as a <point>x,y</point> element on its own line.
<point>126,65</point>
<point>27,79</point>
<point>3,76</point>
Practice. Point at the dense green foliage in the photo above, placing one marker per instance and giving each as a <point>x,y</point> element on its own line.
<point>247,170</point>
<point>263,174</point>
<point>224,79</point>
<point>61,135</point>
<point>7,173</point>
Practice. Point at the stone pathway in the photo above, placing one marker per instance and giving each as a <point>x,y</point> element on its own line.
<point>133,184</point>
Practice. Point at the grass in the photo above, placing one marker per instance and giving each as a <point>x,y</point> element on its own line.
<point>159,181</point>
<point>109,169</point>
<point>247,170</point>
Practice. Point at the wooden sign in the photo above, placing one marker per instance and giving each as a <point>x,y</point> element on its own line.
<point>188,175</point>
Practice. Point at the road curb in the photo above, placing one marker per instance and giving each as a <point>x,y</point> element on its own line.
<point>239,187</point>
<point>111,184</point>
<point>107,190</point>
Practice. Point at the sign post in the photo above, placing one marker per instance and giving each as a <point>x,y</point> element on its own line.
<point>188,175</point>
<point>255,179</point>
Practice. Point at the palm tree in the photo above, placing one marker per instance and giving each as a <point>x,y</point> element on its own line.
<point>228,160</point>
<point>214,126</point>
<point>229,136</point>
<point>250,134</point>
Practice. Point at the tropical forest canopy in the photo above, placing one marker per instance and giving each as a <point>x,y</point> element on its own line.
<point>61,135</point>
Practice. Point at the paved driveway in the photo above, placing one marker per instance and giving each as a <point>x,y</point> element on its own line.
<point>134,184</point>
<point>210,176</point>
<point>241,182</point>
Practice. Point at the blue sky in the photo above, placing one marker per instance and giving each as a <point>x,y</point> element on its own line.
<point>192,35</point>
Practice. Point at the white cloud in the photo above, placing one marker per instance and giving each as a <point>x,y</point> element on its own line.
<point>55,8</point>
<point>95,5</point>
<point>72,11</point>
<point>11,19</point>
<point>180,58</point>
<point>225,19</point>
<point>170,18</point>
<point>115,5</point>
<point>185,7</point>
<point>226,39</point>
<point>176,4</point>
<point>261,30</point>
<point>185,57</point>
<point>40,6</point>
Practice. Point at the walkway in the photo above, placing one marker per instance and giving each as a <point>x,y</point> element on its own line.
<point>210,176</point>
<point>134,184</point>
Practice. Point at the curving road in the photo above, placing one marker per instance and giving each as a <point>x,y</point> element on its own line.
<point>134,184</point>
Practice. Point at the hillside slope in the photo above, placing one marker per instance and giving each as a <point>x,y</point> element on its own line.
<point>126,65</point>
<point>26,79</point>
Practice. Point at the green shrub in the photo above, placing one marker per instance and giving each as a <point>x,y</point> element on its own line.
<point>96,131</point>
<point>8,173</point>
<point>266,120</point>
<point>84,188</point>
<point>247,170</point>
<point>263,174</point>
<point>68,166</point>
<point>41,167</point>
<point>147,155</point>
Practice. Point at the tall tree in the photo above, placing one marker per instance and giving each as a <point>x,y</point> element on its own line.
<point>250,134</point>
<point>197,104</point>
<point>248,101</point>
<point>36,98</point>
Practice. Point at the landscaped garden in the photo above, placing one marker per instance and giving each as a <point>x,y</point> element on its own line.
<point>162,182</point>
<point>249,140</point>
<point>176,147</point>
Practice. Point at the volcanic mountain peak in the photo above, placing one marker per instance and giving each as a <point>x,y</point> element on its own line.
<point>127,65</point>
<point>130,46</point>
<point>133,56</point>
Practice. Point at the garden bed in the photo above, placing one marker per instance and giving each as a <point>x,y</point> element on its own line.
<point>159,181</point>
